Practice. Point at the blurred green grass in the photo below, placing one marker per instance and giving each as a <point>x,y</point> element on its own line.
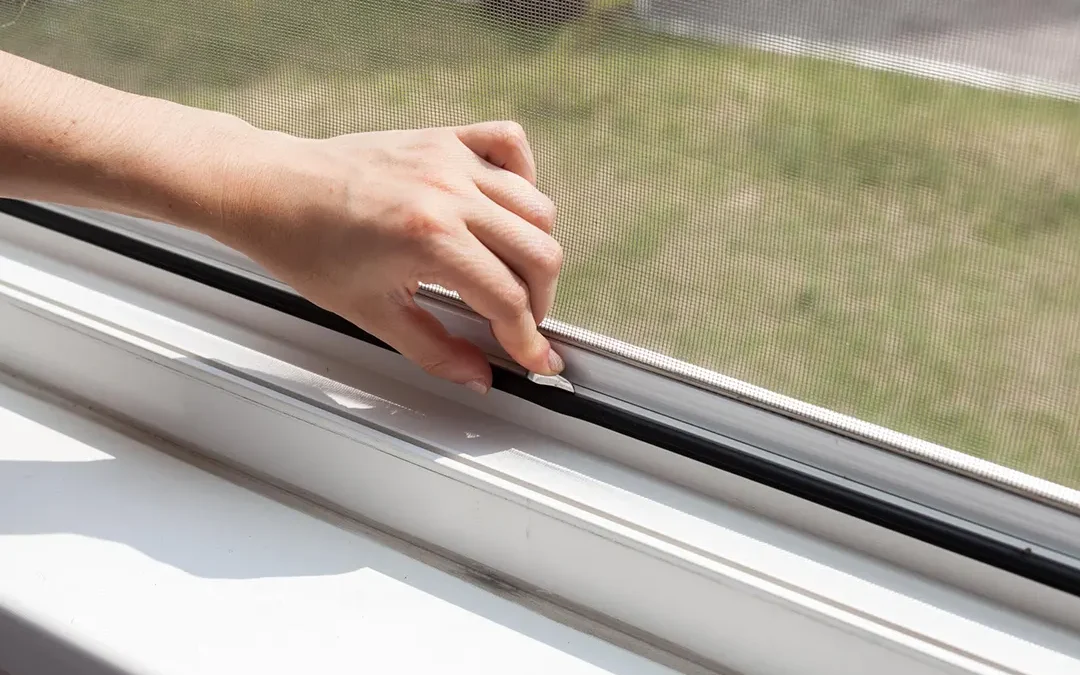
<point>903,250</point>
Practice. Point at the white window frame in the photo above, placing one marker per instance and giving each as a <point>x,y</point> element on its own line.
<point>658,384</point>
<point>850,455</point>
<point>729,572</point>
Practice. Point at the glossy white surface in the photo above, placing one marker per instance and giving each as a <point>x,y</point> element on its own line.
<point>158,567</point>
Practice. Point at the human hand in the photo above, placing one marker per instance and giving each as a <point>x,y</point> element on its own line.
<point>355,223</point>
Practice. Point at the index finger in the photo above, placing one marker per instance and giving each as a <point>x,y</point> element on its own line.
<point>487,285</point>
<point>504,144</point>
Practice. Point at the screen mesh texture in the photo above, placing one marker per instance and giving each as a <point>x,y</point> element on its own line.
<point>871,206</point>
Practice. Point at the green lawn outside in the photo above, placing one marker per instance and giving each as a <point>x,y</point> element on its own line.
<point>903,250</point>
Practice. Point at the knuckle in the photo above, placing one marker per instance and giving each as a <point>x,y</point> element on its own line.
<point>545,214</point>
<point>441,181</point>
<point>416,223</point>
<point>549,258</point>
<point>512,132</point>
<point>422,225</point>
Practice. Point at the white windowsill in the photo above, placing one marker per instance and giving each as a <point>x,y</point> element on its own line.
<point>150,565</point>
<point>682,568</point>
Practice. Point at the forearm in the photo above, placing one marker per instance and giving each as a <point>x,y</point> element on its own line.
<point>353,223</point>
<point>67,140</point>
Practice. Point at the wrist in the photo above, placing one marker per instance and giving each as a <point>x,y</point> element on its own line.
<point>193,166</point>
<point>267,183</point>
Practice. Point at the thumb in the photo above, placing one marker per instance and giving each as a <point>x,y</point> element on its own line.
<point>420,337</point>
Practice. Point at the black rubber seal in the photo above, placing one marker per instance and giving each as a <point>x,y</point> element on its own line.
<point>1019,559</point>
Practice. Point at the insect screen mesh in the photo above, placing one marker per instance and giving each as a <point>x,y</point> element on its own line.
<point>871,206</point>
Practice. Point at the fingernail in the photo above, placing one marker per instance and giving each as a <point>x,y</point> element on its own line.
<point>555,362</point>
<point>478,386</point>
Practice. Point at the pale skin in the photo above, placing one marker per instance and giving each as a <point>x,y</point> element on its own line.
<point>354,223</point>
